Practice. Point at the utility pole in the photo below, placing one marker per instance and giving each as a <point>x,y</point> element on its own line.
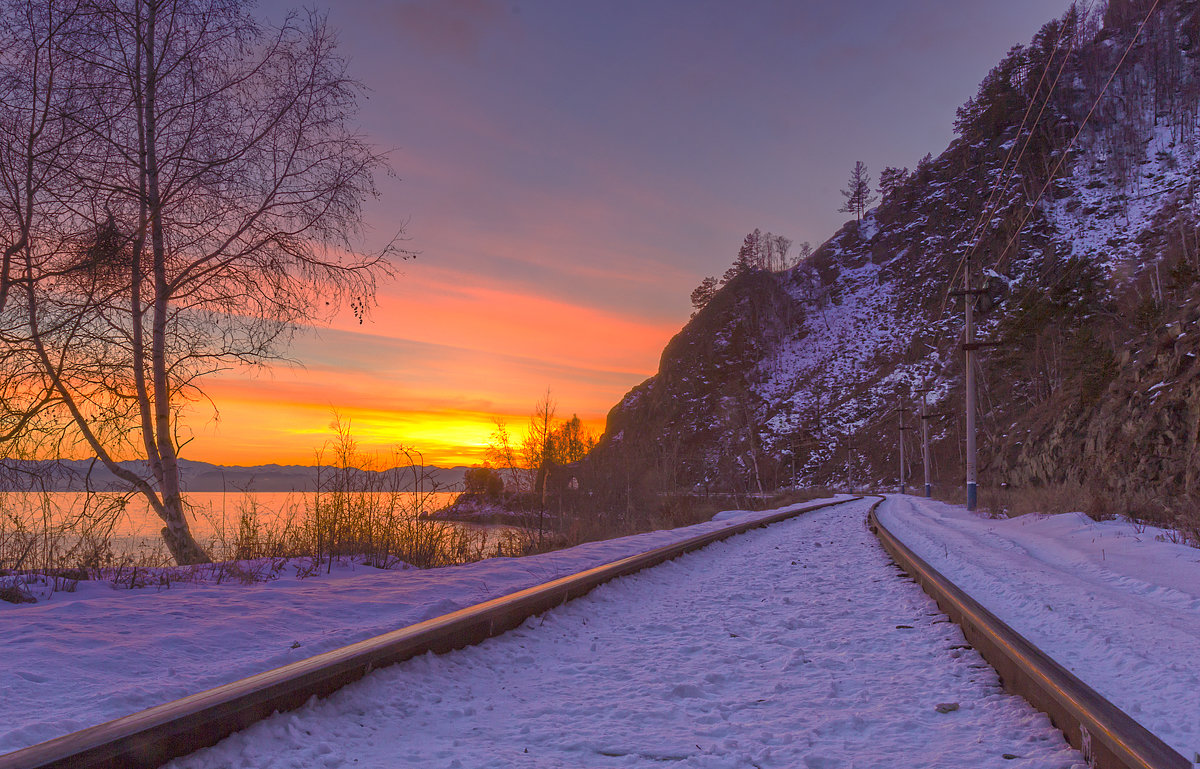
<point>969,350</point>
<point>970,346</point>
<point>925,440</point>
<point>850,463</point>
<point>903,484</point>
<point>792,427</point>
<point>926,415</point>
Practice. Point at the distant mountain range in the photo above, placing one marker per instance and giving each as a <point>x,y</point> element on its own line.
<point>79,475</point>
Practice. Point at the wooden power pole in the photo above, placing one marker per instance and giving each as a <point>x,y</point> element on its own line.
<point>970,347</point>
<point>903,476</point>
<point>925,440</point>
<point>969,352</point>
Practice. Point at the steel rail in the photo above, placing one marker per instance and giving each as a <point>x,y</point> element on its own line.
<point>1107,737</point>
<point>156,735</point>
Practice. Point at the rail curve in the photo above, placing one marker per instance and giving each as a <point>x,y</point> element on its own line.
<point>1107,737</point>
<point>154,736</point>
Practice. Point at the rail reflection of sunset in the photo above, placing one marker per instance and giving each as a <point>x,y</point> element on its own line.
<point>484,353</point>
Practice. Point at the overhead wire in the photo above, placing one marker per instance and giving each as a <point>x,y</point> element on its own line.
<point>1066,152</point>
<point>1003,180</point>
<point>1006,173</point>
<point>1006,254</point>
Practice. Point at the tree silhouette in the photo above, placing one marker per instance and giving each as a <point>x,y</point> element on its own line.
<point>858,194</point>
<point>196,201</point>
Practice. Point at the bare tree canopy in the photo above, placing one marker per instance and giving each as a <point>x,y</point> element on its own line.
<point>183,187</point>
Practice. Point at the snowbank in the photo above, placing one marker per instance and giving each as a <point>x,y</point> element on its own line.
<point>87,657</point>
<point>1116,604</point>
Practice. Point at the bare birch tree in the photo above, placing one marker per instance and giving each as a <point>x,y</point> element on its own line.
<point>224,183</point>
<point>38,143</point>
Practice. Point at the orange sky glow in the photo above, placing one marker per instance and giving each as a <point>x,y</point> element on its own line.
<point>567,175</point>
<point>440,358</point>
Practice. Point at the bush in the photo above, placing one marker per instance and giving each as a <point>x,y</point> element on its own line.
<point>483,481</point>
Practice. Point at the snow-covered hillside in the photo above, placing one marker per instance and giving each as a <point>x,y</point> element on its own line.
<point>1073,198</point>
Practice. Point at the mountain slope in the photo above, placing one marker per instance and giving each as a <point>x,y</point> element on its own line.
<point>1077,195</point>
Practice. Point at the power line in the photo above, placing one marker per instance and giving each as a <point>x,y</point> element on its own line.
<point>1063,157</point>
<point>1003,181</point>
<point>1029,212</point>
<point>968,292</point>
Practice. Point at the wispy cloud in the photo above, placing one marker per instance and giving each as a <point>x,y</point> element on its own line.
<point>445,28</point>
<point>569,171</point>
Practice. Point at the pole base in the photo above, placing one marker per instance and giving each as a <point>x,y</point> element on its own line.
<point>971,497</point>
<point>928,491</point>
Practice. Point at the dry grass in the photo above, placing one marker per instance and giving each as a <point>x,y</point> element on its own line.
<point>671,511</point>
<point>36,533</point>
<point>1179,515</point>
<point>369,518</point>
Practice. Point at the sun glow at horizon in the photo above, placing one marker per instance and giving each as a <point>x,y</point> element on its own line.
<point>445,355</point>
<point>445,439</point>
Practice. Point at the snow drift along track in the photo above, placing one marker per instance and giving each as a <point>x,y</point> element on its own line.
<point>797,645</point>
<point>156,735</point>
<point>1109,738</point>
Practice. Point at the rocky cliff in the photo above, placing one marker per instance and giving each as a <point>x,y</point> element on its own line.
<point>1073,198</point>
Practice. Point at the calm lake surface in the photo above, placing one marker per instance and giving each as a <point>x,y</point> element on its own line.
<point>213,516</point>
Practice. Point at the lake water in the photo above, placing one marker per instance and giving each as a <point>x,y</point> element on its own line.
<point>131,524</point>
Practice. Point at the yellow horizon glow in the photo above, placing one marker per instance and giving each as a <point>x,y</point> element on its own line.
<point>444,358</point>
<point>444,439</point>
<point>445,355</point>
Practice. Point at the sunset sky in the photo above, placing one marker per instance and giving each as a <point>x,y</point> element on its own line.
<point>568,171</point>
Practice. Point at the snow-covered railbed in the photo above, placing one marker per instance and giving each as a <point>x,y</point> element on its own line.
<point>791,646</point>
<point>79,659</point>
<point>1113,603</point>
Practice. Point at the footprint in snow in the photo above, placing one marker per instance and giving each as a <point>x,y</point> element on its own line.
<point>687,692</point>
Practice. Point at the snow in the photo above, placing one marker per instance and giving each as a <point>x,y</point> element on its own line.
<point>792,646</point>
<point>1116,603</point>
<point>1111,237</point>
<point>83,658</point>
<point>838,343</point>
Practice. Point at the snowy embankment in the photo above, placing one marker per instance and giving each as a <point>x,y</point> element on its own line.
<point>83,658</point>
<point>1116,604</point>
<point>791,646</point>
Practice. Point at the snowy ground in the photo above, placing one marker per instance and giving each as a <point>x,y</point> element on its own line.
<point>794,646</point>
<point>1117,605</point>
<point>79,659</point>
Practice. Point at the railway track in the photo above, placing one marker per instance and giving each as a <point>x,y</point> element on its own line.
<point>154,736</point>
<point>1107,737</point>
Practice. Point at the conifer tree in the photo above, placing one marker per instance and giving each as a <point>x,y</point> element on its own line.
<point>703,293</point>
<point>858,194</point>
